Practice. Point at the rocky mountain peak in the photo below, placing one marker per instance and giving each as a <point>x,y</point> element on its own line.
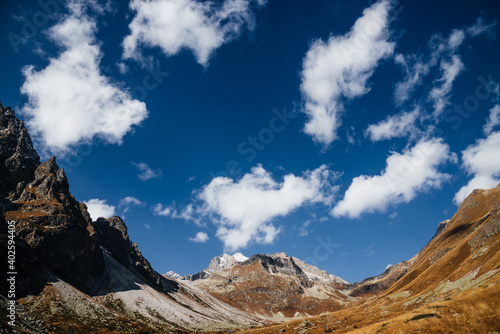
<point>18,158</point>
<point>281,254</point>
<point>50,183</point>
<point>48,167</point>
<point>172,274</point>
<point>280,263</point>
<point>225,261</point>
<point>316,274</point>
<point>112,236</point>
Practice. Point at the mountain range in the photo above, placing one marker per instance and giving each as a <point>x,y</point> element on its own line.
<point>76,275</point>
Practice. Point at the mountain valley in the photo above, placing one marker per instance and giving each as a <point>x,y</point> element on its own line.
<point>76,275</point>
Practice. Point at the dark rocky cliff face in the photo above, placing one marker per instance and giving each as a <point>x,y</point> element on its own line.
<point>18,158</point>
<point>55,234</point>
<point>113,237</point>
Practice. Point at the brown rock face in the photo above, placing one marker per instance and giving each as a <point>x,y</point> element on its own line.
<point>273,287</point>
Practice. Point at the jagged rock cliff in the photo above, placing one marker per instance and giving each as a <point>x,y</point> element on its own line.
<point>18,158</point>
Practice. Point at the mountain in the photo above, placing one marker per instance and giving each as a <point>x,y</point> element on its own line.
<point>274,287</point>
<point>451,286</point>
<point>172,275</point>
<point>78,275</point>
<point>225,261</point>
<point>316,274</point>
<point>218,263</point>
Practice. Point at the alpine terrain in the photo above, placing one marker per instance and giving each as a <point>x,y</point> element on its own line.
<point>75,275</point>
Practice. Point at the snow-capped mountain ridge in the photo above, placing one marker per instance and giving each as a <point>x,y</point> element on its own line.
<point>225,261</point>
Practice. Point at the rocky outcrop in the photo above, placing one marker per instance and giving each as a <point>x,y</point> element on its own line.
<point>57,227</point>
<point>381,283</point>
<point>112,236</point>
<point>18,158</point>
<point>280,263</point>
<point>54,230</point>
<point>316,274</point>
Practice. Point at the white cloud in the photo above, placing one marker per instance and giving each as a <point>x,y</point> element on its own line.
<point>127,202</point>
<point>481,27</point>
<point>174,25</point>
<point>482,160</point>
<point>161,210</point>
<point>122,67</point>
<point>413,76</point>
<point>98,208</point>
<point>146,173</point>
<point>493,120</point>
<point>394,126</point>
<point>188,213</point>
<point>416,67</point>
<point>339,69</point>
<point>243,210</point>
<point>406,174</point>
<point>370,250</point>
<point>147,226</point>
<point>442,51</point>
<point>70,101</point>
<point>201,237</point>
<point>303,229</point>
<point>440,95</point>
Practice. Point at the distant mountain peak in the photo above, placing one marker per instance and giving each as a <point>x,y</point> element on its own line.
<point>172,274</point>
<point>225,261</point>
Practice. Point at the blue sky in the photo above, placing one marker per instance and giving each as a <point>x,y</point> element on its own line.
<point>339,132</point>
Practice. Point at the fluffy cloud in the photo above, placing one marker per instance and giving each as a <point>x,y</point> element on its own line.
<point>98,208</point>
<point>243,210</point>
<point>406,174</point>
<point>146,172</point>
<point>482,160</point>
<point>161,210</point>
<point>70,101</point>
<point>339,69</point>
<point>173,25</point>
<point>201,237</point>
<point>394,126</point>
<point>493,120</point>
